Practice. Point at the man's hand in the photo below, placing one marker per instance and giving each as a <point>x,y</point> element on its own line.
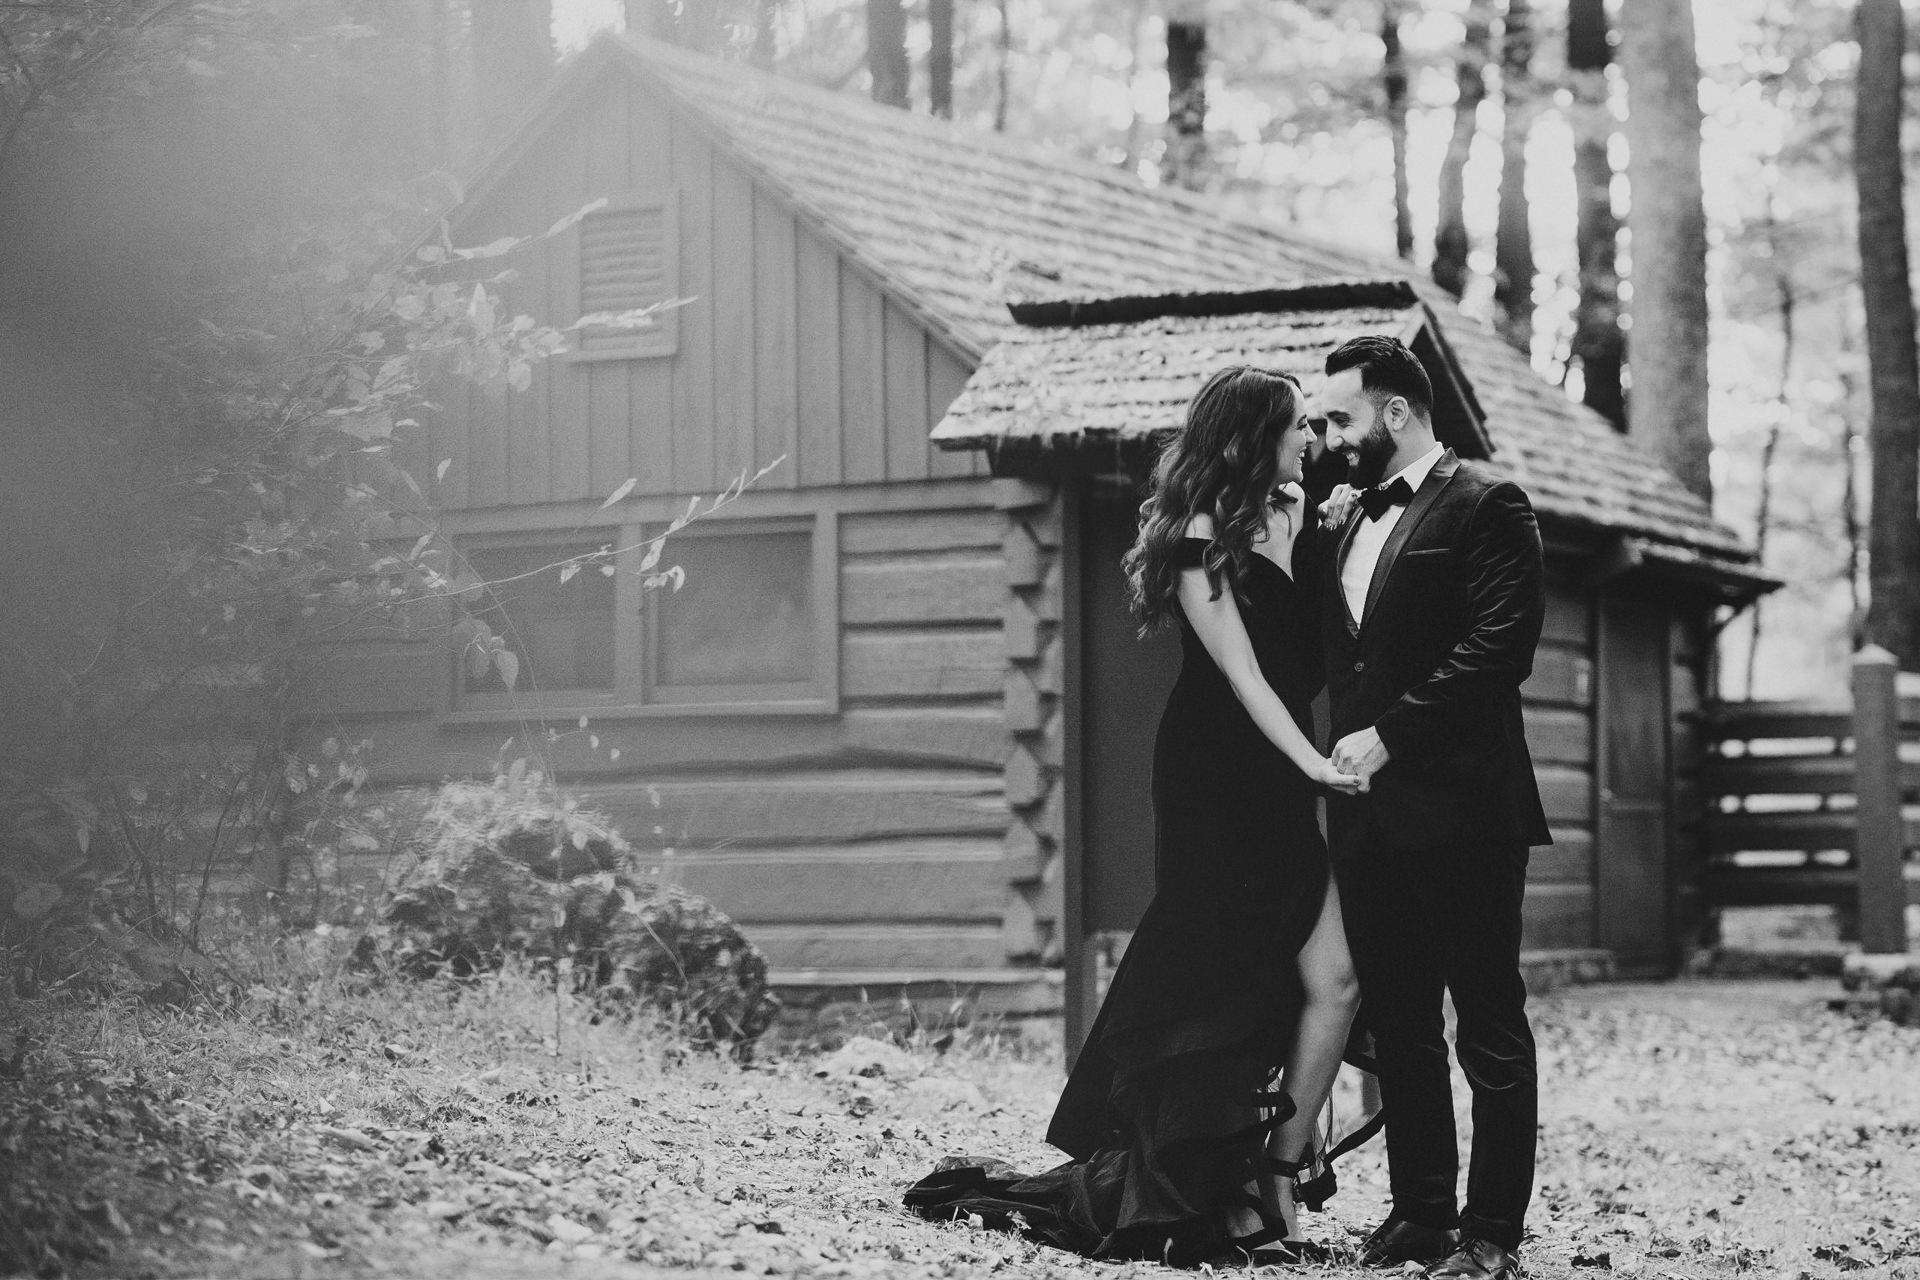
<point>1362,754</point>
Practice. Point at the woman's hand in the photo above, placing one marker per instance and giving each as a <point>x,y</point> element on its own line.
<point>1338,506</point>
<point>1347,784</point>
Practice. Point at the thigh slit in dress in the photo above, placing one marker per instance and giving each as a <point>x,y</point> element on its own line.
<point>1167,1111</point>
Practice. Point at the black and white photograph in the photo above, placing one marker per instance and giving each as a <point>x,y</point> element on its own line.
<point>959,639</point>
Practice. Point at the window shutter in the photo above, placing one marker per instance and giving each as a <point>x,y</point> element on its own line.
<point>629,254</point>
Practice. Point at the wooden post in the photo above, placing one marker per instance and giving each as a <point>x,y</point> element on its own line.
<point>1081,998</point>
<point>1880,833</point>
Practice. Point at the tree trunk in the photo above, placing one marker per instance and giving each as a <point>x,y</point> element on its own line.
<point>1394,73</point>
<point>764,14</point>
<point>1763,516</point>
<point>887,51</point>
<point>691,24</point>
<point>940,58</point>
<point>1668,223</point>
<point>1003,73</point>
<point>1136,45</point>
<point>1513,239</point>
<point>1184,164</point>
<point>512,55</point>
<point>1850,450</point>
<point>1599,344</point>
<point>1893,531</point>
<point>1450,242</point>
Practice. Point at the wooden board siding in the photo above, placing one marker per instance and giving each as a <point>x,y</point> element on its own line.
<point>869,838</point>
<point>946,375</point>
<point>418,749</point>
<point>1559,718</point>
<point>785,350</point>
<point>777,321</point>
<point>692,366</point>
<point>355,679</point>
<point>1689,649</point>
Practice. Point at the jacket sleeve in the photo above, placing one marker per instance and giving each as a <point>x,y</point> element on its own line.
<point>1506,604</point>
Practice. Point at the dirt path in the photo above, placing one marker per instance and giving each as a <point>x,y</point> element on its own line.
<point>1693,1129</point>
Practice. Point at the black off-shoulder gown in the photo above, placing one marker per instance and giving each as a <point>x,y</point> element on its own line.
<point>1163,1111</point>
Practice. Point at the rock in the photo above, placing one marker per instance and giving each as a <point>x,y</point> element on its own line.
<point>1862,972</point>
<point>933,1094</point>
<point>1886,985</point>
<point>862,1056</point>
<point>497,871</point>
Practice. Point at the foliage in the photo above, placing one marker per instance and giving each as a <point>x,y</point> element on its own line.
<point>517,868</point>
<point>238,338</point>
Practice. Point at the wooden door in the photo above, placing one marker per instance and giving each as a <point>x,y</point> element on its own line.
<point>1124,685</point>
<point>1633,853</point>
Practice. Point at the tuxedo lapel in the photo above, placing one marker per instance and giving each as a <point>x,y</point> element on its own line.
<point>1341,546</point>
<point>1417,508</point>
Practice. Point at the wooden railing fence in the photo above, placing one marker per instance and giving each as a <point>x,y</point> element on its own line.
<point>1818,803</point>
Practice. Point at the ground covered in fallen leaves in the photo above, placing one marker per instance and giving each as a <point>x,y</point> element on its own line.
<point>322,1128</point>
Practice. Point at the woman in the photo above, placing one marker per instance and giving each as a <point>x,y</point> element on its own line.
<point>1239,967</point>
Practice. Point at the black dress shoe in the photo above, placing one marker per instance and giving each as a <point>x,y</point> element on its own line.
<point>1397,1240</point>
<point>1476,1260</point>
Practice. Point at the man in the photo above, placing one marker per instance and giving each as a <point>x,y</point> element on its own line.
<point>1433,607</point>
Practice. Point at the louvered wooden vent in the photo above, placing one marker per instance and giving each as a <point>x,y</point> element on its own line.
<point>628,255</point>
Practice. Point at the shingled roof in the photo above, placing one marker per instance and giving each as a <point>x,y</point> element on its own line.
<point>958,223</point>
<point>1076,375</point>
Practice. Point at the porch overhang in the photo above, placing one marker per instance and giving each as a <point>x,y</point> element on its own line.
<point>1110,375</point>
<point>1627,557</point>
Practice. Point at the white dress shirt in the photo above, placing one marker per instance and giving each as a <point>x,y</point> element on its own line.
<point>1363,553</point>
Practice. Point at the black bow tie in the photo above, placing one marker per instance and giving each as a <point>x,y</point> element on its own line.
<point>1376,500</point>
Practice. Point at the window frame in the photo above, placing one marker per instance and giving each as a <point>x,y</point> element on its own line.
<point>635,635</point>
<point>655,691</point>
<point>514,701</point>
<point>663,340</point>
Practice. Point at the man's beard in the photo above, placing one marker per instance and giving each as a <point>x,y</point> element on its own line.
<point>1368,464</point>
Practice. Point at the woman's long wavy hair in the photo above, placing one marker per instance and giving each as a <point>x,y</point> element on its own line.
<point>1223,465</point>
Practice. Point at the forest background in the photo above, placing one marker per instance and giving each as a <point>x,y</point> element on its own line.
<point>1486,142</point>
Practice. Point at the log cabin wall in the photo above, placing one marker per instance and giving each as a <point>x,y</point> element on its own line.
<point>1558,707</point>
<point>861,832</point>
<point>1691,679</point>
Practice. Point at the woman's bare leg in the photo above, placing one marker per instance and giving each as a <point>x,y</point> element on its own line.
<point>1332,995</point>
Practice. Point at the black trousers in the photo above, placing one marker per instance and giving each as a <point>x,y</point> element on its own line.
<point>1421,923</point>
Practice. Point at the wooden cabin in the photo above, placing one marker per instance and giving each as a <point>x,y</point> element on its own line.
<point>897,723</point>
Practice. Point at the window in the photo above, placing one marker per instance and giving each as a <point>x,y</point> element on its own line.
<point>561,631</point>
<point>743,625</point>
<point>753,629</point>
<point>629,260</point>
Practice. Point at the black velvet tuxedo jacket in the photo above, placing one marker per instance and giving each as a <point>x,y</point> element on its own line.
<point>1435,664</point>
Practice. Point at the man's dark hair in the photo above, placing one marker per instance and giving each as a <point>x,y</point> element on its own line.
<point>1387,368</point>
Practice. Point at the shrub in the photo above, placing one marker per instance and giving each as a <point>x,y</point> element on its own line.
<point>514,867</point>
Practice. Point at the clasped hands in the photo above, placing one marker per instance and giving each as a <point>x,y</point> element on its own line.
<point>1359,756</point>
